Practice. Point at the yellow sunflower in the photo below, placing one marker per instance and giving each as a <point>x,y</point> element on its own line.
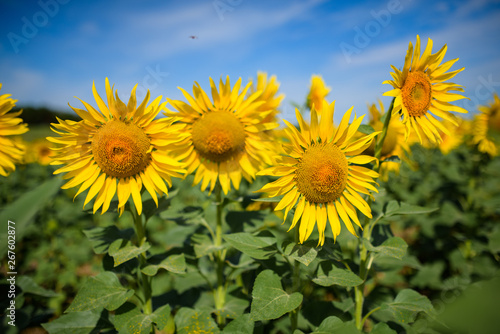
<point>457,134</point>
<point>486,128</point>
<point>317,93</point>
<point>270,97</point>
<point>228,137</point>
<point>117,149</point>
<point>11,150</point>
<point>39,151</point>
<point>394,143</point>
<point>321,173</point>
<point>420,91</point>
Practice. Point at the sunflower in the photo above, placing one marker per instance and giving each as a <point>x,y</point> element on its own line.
<point>270,97</point>
<point>317,93</point>
<point>321,173</point>
<point>228,137</point>
<point>39,151</point>
<point>117,149</point>
<point>420,90</point>
<point>394,143</point>
<point>486,128</point>
<point>11,150</point>
<point>457,135</point>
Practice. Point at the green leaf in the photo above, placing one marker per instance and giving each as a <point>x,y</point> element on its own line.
<point>161,316</point>
<point>203,245</point>
<point>257,247</point>
<point>188,321</point>
<point>335,325</point>
<point>103,290</point>
<point>269,300</point>
<point>123,250</point>
<point>102,237</point>
<point>235,306</point>
<point>130,320</point>
<point>240,325</point>
<point>86,322</point>
<point>402,208</point>
<point>407,304</point>
<point>337,276</point>
<point>149,208</point>
<point>393,247</point>
<point>429,275</point>
<point>392,158</point>
<point>268,199</point>
<point>305,253</point>
<point>382,328</point>
<point>494,241</point>
<point>23,209</point>
<point>174,263</point>
<point>474,310</point>
<point>366,129</point>
<point>28,285</point>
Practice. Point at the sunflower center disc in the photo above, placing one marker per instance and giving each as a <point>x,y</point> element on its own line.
<point>121,149</point>
<point>321,174</point>
<point>218,136</point>
<point>417,93</point>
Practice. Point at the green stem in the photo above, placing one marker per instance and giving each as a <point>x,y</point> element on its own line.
<point>365,260</point>
<point>296,283</point>
<point>144,279</point>
<point>220,292</point>
<point>381,137</point>
<point>369,314</point>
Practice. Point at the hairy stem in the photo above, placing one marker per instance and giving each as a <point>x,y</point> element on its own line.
<point>220,292</point>
<point>296,283</point>
<point>364,261</point>
<point>145,281</point>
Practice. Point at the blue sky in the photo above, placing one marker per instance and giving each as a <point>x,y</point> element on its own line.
<point>52,50</point>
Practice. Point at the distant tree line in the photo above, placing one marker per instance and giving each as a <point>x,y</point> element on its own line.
<point>43,115</point>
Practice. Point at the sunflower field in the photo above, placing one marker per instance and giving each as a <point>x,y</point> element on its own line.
<point>213,215</point>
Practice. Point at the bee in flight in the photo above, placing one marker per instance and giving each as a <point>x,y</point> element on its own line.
<point>193,37</point>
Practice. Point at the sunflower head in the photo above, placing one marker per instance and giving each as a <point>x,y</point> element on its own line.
<point>421,92</point>
<point>11,150</point>
<point>228,136</point>
<point>118,148</point>
<point>320,173</point>
<point>269,88</point>
<point>486,128</point>
<point>457,134</point>
<point>39,151</point>
<point>317,93</point>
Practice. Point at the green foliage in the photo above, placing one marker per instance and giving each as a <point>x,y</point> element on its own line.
<point>130,320</point>
<point>336,325</point>
<point>432,258</point>
<point>336,276</point>
<point>85,322</point>
<point>406,306</point>
<point>190,321</point>
<point>22,211</point>
<point>393,247</point>
<point>174,263</point>
<point>103,290</point>
<point>269,300</point>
